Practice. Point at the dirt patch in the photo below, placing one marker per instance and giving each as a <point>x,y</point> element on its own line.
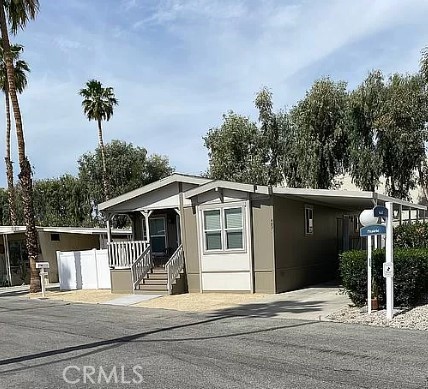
<point>80,296</point>
<point>189,302</point>
<point>199,302</point>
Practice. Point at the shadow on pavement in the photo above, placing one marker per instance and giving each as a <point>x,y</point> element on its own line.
<point>270,309</point>
<point>14,293</point>
<point>252,310</point>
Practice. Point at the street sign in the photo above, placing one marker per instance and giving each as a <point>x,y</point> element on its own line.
<point>380,211</point>
<point>388,269</point>
<point>375,229</point>
<point>42,265</point>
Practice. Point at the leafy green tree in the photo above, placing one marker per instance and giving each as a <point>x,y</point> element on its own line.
<point>403,133</point>
<point>366,107</point>
<point>62,202</point>
<point>320,136</point>
<point>128,165</point>
<point>423,71</point>
<point>14,15</point>
<point>273,127</point>
<point>236,151</point>
<point>21,68</point>
<point>98,104</point>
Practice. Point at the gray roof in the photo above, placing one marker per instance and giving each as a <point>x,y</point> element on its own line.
<point>335,198</point>
<point>176,177</point>
<point>344,199</point>
<point>226,185</point>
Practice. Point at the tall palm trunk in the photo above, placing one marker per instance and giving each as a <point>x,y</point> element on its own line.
<point>103,159</point>
<point>9,166</point>
<point>25,175</point>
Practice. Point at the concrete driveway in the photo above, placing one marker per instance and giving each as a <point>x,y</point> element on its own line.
<point>312,303</point>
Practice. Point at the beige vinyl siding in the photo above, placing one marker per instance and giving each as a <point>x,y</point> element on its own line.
<point>263,246</point>
<point>190,244</point>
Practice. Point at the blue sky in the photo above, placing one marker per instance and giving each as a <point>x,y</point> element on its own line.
<point>177,66</point>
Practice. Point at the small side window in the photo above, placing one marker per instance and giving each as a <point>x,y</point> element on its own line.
<point>309,220</point>
<point>55,238</point>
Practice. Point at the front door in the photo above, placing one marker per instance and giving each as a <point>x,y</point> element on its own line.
<point>157,227</point>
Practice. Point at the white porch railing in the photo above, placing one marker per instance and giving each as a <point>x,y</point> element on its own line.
<point>174,266</point>
<point>141,266</point>
<point>124,254</point>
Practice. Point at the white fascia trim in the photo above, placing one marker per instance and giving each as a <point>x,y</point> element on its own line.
<point>324,193</point>
<point>214,185</point>
<point>385,199</point>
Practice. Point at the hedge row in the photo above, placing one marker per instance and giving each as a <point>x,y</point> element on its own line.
<point>411,235</point>
<point>410,275</point>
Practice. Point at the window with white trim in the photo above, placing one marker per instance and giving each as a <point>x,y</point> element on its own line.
<point>309,220</point>
<point>223,229</point>
<point>212,224</point>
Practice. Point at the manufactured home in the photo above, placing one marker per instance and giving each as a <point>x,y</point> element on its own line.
<point>200,235</point>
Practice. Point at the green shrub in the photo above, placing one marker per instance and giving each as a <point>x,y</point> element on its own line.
<point>411,235</point>
<point>410,275</point>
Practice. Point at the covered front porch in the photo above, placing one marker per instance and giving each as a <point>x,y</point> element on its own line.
<point>154,257</point>
<point>153,261</point>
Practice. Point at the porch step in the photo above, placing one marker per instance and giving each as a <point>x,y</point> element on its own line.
<point>154,281</point>
<point>142,291</point>
<point>156,288</point>
<point>158,270</point>
<point>157,276</point>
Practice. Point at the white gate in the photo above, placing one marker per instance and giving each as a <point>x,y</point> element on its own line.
<point>83,270</point>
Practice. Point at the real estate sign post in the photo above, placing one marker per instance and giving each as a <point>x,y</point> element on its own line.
<point>372,220</point>
<point>389,259</point>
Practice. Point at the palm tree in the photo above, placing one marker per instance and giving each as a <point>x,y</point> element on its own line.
<point>15,14</point>
<point>20,67</point>
<point>98,103</point>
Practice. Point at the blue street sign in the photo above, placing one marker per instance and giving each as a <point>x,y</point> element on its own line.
<point>380,211</point>
<point>376,229</point>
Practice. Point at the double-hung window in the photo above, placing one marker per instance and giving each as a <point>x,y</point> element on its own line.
<point>233,228</point>
<point>212,223</point>
<point>223,229</point>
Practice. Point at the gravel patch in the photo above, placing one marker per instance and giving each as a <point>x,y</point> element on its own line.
<point>416,318</point>
<point>79,296</point>
<point>202,302</point>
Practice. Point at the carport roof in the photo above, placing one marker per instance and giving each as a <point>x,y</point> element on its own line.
<point>343,199</point>
<point>9,230</point>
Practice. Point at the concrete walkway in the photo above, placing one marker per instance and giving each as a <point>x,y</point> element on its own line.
<point>131,299</point>
<point>23,290</point>
<point>313,303</point>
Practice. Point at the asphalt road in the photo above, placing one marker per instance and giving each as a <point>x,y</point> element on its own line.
<point>48,344</point>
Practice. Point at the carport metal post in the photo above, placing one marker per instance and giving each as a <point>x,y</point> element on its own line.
<point>389,257</point>
<point>7,257</point>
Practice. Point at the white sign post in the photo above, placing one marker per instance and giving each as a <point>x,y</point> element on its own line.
<point>369,274</point>
<point>372,221</point>
<point>389,259</point>
<point>43,266</point>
